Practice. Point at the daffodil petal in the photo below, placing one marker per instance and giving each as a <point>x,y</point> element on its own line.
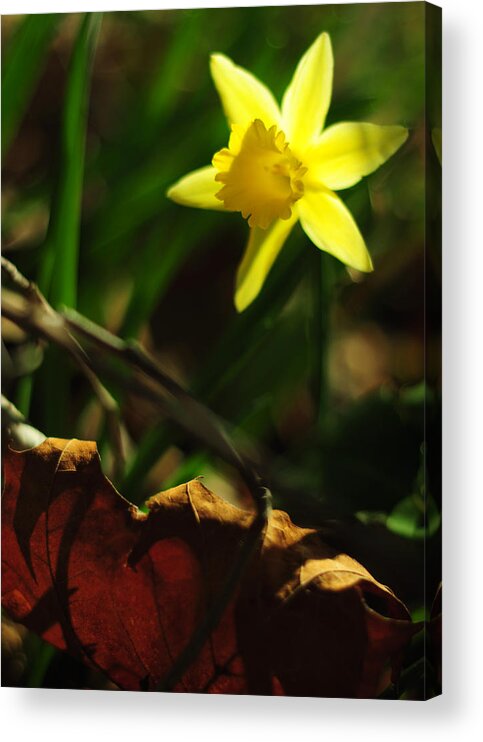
<point>243,96</point>
<point>307,98</point>
<point>197,189</point>
<point>346,152</point>
<point>331,227</point>
<point>263,247</point>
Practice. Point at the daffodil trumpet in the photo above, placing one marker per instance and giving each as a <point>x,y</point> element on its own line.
<point>281,166</point>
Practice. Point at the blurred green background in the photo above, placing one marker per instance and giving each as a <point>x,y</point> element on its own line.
<point>333,377</point>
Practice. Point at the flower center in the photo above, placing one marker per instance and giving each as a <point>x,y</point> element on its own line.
<point>261,177</point>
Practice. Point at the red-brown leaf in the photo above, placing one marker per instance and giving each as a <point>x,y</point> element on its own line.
<point>123,591</point>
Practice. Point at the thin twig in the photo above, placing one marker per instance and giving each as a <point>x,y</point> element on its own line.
<point>31,311</point>
<point>36,315</point>
<point>58,332</point>
<point>186,410</point>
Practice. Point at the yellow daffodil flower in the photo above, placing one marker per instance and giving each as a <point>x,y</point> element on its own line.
<point>282,166</point>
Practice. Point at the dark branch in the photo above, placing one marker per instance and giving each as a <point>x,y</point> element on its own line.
<point>29,309</point>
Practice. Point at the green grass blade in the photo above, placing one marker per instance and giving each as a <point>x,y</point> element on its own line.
<point>59,272</point>
<point>22,68</point>
<point>23,395</point>
<point>64,229</point>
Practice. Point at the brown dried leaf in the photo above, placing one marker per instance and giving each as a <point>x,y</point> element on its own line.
<point>123,591</point>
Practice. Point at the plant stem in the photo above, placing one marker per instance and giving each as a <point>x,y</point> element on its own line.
<point>24,394</point>
<point>322,284</point>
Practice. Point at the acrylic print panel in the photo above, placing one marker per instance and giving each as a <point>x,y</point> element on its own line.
<point>222,276</point>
